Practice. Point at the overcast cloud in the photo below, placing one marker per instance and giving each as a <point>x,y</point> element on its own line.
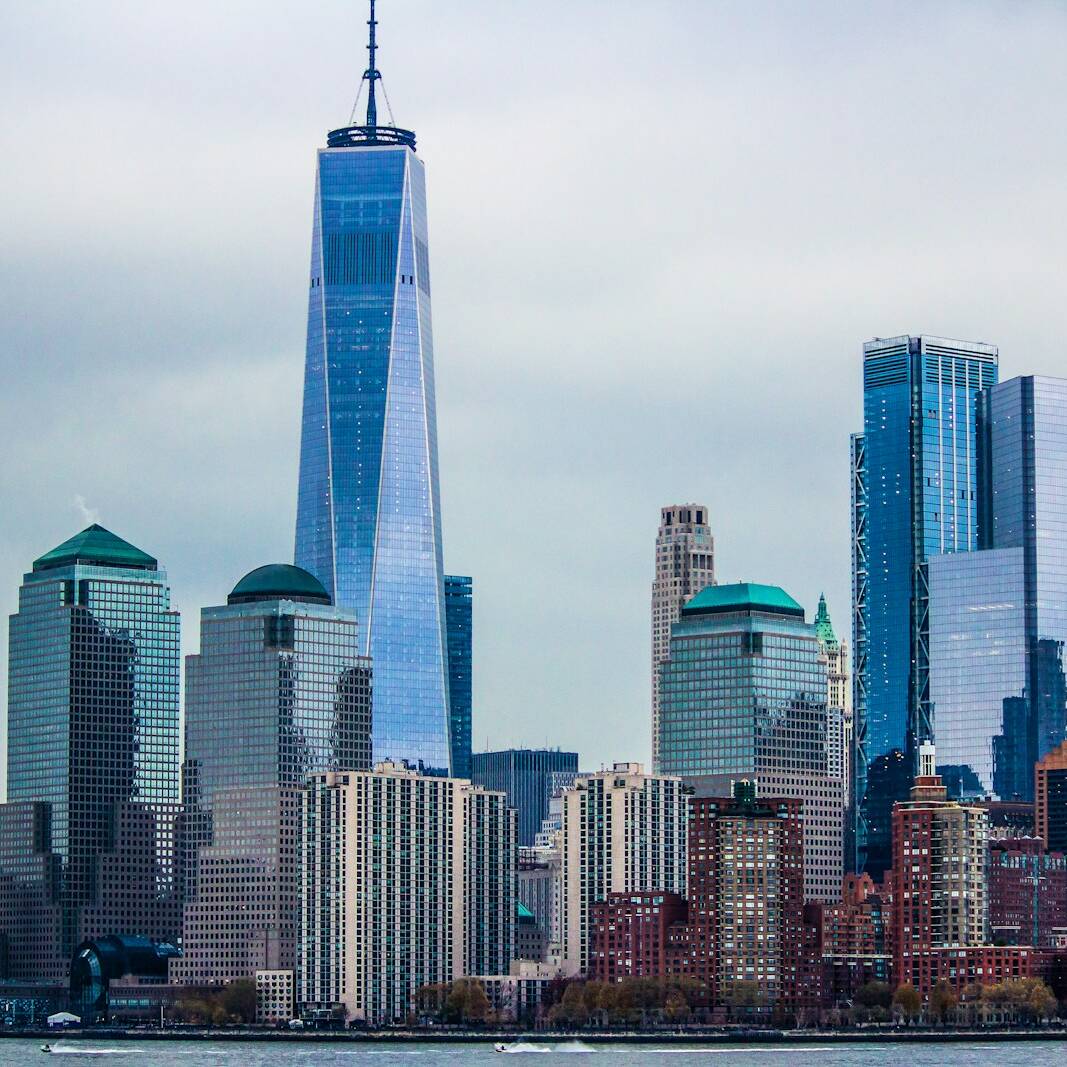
<point>660,233</point>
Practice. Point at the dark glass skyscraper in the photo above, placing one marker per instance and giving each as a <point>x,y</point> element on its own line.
<point>914,481</point>
<point>368,512</point>
<point>999,616</point>
<point>93,730</point>
<point>459,602</point>
<point>526,775</point>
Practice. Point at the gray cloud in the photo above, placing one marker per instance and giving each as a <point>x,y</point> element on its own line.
<point>658,241</point>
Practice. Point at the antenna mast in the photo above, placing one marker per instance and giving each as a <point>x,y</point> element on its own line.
<point>372,74</point>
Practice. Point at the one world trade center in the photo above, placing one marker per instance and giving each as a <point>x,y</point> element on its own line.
<point>368,512</point>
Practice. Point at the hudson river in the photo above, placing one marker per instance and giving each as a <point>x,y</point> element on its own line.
<point>21,1053</point>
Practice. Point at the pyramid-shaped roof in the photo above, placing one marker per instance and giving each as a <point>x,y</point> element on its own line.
<point>95,545</point>
<point>824,628</point>
<point>743,596</point>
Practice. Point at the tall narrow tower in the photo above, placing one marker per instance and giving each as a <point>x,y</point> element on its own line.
<point>368,514</point>
<point>685,564</point>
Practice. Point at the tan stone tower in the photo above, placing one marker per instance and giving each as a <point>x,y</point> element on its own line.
<point>685,564</point>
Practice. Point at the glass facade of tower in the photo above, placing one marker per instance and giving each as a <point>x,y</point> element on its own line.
<point>368,513</point>
<point>915,466</point>
<point>999,617</point>
<point>278,691</point>
<point>93,707</point>
<point>977,667</point>
<point>459,603</point>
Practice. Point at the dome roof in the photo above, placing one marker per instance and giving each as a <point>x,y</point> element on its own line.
<point>279,581</point>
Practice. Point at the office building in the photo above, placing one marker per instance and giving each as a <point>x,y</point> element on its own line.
<point>278,691</point>
<point>1050,799</point>
<point>459,602</point>
<point>407,881</point>
<point>744,695</point>
<point>940,857</point>
<point>998,617</point>
<point>624,831</point>
<point>1027,893</point>
<point>93,750</point>
<point>838,694</point>
<point>538,885</point>
<point>685,564</point>
<point>914,487</point>
<point>526,776</point>
<point>368,510</point>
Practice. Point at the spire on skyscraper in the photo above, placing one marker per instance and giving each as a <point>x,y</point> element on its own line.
<point>371,133</point>
<point>824,628</point>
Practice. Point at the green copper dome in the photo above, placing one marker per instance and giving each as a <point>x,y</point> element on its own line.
<point>743,596</point>
<point>98,547</point>
<point>278,581</point>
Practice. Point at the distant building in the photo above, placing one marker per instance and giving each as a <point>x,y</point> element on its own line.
<point>459,603</point>
<point>93,754</point>
<point>914,482</point>
<point>538,886</point>
<point>624,831</point>
<point>744,695</point>
<point>278,691</point>
<point>1027,893</point>
<point>526,775</point>
<point>685,564</point>
<point>838,696</point>
<point>1050,799</point>
<point>410,882</point>
<point>940,891</point>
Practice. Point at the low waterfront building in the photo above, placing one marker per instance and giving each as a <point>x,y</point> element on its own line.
<point>407,881</point>
<point>275,996</point>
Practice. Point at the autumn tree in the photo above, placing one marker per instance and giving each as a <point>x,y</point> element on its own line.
<point>907,1002</point>
<point>943,1001</point>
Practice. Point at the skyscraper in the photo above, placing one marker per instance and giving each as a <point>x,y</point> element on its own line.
<point>277,692</point>
<point>744,695</point>
<point>685,564</point>
<point>914,481</point>
<point>838,693</point>
<point>998,616</point>
<point>526,775</point>
<point>368,512</point>
<point>93,734</point>
<point>459,604</point>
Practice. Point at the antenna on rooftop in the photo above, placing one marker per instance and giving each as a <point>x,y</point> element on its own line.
<point>372,74</point>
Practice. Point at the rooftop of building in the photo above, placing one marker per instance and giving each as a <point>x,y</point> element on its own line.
<point>824,628</point>
<point>743,597</point>
<point>99,547</point>
<point>279,581</point>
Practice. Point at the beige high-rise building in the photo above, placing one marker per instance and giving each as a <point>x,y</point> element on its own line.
<point>408,881</point>
<point>685,564</point>
<point>838,694</point>
<point>624,831</point>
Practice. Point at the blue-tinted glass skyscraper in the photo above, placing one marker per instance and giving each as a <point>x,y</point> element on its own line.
<point>914,481</point>
<point>999,617</point>
<point>459,604</point>
<point>368,513</point>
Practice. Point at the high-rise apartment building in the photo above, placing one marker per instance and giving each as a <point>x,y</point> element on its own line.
<point>1050,799</point>
<point>459,603</point>
<point>914,488</point>
<point>1027,893</point>
<point>744,695</point>
<point>368,512</point>
<point>685,564</point>
<point>278,691</point>
<point>407,881</point>
<point>93,748</point>
<point>526,776</point>
<point>940,895</point>
<point>998,617</point>
<point>624,831</point>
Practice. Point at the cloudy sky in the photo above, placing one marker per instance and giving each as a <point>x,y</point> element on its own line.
<point>660,233</point>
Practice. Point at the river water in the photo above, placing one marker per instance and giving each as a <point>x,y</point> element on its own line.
<point>16,1052</point>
